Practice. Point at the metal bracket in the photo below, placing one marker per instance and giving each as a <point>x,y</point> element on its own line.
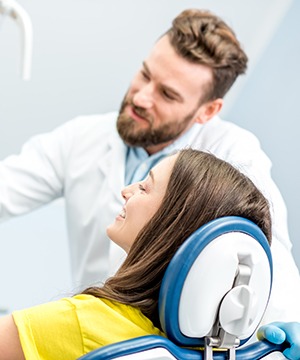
<point>214,342</point>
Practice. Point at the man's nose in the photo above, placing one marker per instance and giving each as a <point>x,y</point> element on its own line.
<point>144,97</point>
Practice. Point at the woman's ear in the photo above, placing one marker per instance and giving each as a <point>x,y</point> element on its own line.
<point>208,110</point>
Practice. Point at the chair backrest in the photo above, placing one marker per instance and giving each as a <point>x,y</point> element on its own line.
<point>219,281</point>
<point>213,294</point>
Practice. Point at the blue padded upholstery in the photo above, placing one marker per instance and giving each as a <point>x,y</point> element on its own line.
<point>180,265</point>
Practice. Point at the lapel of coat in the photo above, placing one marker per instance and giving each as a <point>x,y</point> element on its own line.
<point>112,164</point>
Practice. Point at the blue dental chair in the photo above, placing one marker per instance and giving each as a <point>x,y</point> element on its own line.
<point>212,298</point>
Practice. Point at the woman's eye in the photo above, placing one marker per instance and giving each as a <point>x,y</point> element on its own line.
<point>141,187</point>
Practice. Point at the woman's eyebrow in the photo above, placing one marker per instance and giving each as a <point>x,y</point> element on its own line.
<point>151,175</point>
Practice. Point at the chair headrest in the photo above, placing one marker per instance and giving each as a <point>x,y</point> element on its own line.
<point>219,280</point>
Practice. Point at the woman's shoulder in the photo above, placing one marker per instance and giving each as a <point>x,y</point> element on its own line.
<point>127,318</point>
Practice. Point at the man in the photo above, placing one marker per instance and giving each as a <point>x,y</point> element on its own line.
<point>172,102</point>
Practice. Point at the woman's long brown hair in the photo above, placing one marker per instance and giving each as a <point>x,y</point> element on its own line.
<point>201,188</point>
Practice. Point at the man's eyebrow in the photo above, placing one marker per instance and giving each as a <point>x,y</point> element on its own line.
<point>165,87</point>
<point>146,67</point>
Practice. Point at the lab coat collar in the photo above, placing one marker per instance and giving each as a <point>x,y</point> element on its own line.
<point>112,163</point>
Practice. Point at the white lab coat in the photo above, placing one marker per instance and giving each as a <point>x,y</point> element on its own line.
<point>83,161</point>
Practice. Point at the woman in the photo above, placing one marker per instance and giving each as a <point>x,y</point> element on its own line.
<point>182,192</point>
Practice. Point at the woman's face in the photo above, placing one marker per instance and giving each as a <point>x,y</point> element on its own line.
<point>142,200</point>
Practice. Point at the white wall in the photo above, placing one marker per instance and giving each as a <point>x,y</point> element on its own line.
<point>267,104</point>
<point>85,53</point>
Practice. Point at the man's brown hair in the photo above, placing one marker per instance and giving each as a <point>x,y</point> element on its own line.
<point>203,38</point>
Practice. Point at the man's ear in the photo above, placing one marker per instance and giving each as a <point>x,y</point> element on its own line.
<point>208,110</point>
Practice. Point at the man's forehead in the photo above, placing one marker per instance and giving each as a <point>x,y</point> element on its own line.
<point>172,70</point>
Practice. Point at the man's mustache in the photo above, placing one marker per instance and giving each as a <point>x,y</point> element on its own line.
<point>139,110</point>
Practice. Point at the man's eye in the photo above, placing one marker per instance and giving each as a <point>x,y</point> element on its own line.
<point>145,75</point>
<point>168,95</point>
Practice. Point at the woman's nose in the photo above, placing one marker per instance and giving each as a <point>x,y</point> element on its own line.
<point>127,192</point>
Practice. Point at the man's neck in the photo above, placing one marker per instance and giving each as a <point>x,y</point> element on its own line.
<point>156,148</point>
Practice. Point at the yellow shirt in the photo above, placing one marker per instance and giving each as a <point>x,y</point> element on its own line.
<point>71,327</point>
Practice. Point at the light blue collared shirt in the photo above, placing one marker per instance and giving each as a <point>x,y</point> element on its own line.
<point>139,163</point>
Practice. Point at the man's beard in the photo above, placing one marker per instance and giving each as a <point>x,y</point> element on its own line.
<point>130,133</point>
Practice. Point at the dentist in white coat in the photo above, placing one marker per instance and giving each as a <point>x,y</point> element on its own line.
<point>172,102</point>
